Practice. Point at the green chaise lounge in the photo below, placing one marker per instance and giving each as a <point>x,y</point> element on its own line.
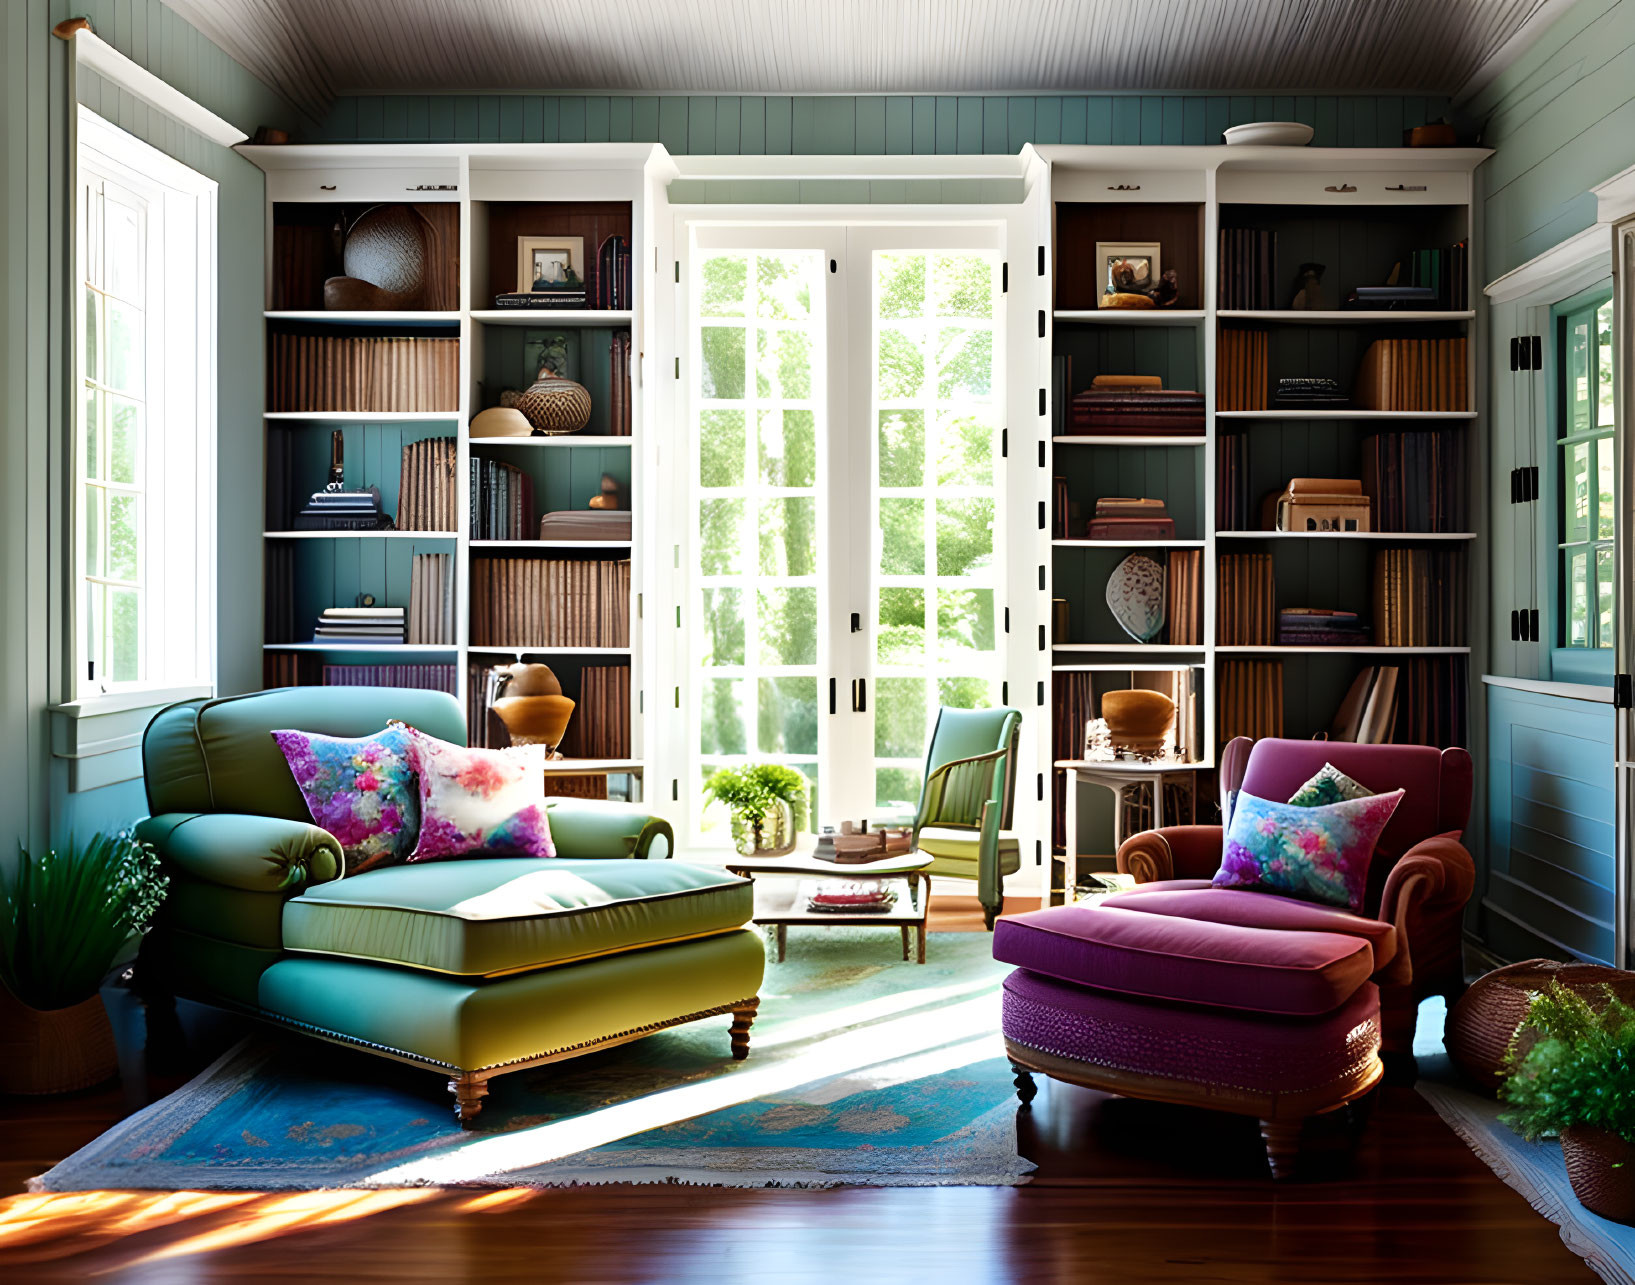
<point>468,968</point>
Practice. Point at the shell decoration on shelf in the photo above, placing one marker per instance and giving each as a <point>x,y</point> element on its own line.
<point>554,404</point>
<point>1135,596</point>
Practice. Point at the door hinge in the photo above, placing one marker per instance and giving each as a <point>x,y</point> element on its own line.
<point>1623,691</point>
<point>1004,693</point>
<point>1039,850</point>
<point>1524,625</point>
<point>678,272</point>
<point>1041,323</point>
<point>1041,261</point>
<point>1007,620</point>
<point>833,683</point>
<point>1041,579</point>
<point>1004,278</point>
<point>1044,642</point>
<point>1527,352</point>
<point>1043,408</point>
<point>857,622</point>
<point>675,790</point>
<point>1524,484</point>
<point>1041,454</point>
<point>678,367</point>
<point>1004,443</point>
<point>1039,785</point>
<point>833,267</point>
<point>860,696</point>
<point>1039,699</point>
<point>1041,515</point>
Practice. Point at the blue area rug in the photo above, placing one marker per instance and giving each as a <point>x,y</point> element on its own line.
<point>1534,1169</point>
<point>862,1070</point>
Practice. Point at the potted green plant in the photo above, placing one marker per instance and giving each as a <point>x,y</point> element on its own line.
<point>767,803</point>
<point>63,919</point>
<point>1572,1072</point>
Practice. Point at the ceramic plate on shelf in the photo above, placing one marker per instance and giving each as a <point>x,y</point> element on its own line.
<point>1270,133</point>
<point>1135,596</point>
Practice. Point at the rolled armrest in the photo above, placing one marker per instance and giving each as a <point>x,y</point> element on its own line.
<point>1175,852</point>
<point>1425,895</point>
<point>238,850</point>
<point>586,828</point>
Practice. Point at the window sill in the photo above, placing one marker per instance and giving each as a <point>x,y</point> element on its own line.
<point>101,736</point>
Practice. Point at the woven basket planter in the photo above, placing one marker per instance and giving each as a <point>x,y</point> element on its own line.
<point>54,1050</point>
<point>1601,1167</point>
<point>1481,1025</point>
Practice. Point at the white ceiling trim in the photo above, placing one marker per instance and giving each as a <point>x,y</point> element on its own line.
<point>314,50</point>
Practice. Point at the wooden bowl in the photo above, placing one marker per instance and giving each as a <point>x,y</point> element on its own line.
<point>1139,719</point>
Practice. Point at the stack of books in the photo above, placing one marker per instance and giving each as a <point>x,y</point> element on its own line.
<point>431,599</point>
<point>1119,518</point>
<point>1240,369</point>
<point>1309,392</point>
<point>1389,298</point>
<point>1247,268</point>
<point>425,496</point>
<point>502,502</point>
<point>1138,412</point>
<point>1247,604</point>
<point>1319,627</point>
<point>342,511</point>
<point>543,300</point>
<point>1414,375</point>
<point>376,626</point>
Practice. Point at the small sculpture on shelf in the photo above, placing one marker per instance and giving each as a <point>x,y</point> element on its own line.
<point>1308,296</point>
<point>610,496</point>
<point>529,701</point>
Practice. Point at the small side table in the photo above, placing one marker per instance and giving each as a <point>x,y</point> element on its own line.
<point>781,902</point>
<point>1116,775</point>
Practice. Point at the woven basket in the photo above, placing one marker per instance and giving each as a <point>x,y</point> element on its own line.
<point>54,1050</point>
<point>1601,1167</point>
<point>1481,1025</point>
<point>554,405</point>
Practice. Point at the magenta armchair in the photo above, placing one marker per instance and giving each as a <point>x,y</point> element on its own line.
<point>1421,876</point>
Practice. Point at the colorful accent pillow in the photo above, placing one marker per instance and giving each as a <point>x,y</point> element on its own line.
<point>1320,854</point>
<point>1330,785</point>
<point>361,790</point>
<point>477,803</point>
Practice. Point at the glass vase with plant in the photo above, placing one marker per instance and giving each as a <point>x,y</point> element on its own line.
<point>767,803</point>
<point>64,918</point>
<point>1573,1075</point>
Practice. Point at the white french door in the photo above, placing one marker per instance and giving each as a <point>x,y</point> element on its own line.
<point>844,406</point>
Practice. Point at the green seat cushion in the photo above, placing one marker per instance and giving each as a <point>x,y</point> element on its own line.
<point>472,1024</point>
<point>486,918</point>
<point>956,851</point>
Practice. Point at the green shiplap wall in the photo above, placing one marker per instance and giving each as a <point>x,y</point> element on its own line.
<point>1562,119</point>
<point>867,125</point>
<point>35,267</point>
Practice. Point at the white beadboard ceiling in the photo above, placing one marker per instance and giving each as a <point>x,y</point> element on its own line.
<point>313,50</point>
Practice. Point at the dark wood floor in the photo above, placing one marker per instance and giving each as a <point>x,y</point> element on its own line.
<point>1125,1191</point>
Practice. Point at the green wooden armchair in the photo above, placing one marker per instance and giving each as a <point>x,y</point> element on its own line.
<point>964,816</point>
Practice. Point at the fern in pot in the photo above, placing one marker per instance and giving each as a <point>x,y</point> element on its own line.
<point>767,802</point>
<point>1573,1075</point>
<point>64,917</point>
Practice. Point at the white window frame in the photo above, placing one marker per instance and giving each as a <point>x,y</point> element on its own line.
<point>177,465</point>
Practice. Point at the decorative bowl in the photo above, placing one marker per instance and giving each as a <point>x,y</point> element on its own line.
<point>554,405</point>
<point>1135,596</point>
<point>1270,133</point>
<point>501,421</point>
<point>1138,719</point>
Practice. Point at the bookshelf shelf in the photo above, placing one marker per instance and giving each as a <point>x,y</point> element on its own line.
<point>1126,544</point>
<point>548,651</point>
<point>1348,414</point>
<point>1132,648</point>
<point>592,767</point>
<point>546,318</point>
<point>316,417</point>
<point>609,545</point>
<point>1130,316</point>
<point>360,535</point>
<point>1234,649</point>
<point>1086,440</point>
<point>379,649</point>
<point>559,442</point>
<point>1344,317</point>
<point>381,320</point>
<point>1401,537</point>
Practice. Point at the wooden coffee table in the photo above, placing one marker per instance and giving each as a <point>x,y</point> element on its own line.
<point>782,885</point>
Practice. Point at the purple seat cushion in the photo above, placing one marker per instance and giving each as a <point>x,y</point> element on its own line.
<point>1193,899</point>
<point>1199,1046</point>
<point>1188,960</point>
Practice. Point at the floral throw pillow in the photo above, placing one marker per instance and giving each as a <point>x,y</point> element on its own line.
<point>1330,785</point>
<point>1319,853</point>
<point>478,803</point>
<point>361,790</point>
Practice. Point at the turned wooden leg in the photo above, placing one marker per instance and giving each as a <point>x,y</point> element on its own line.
<point>1026,1089</point>
<point>742,1017</point>
<point>905,943</point>
<point>783,940</point>
<point>920,934</point>
<point>1399,1015</point>
<point>469,1090</point>
<point>1282,1138</point>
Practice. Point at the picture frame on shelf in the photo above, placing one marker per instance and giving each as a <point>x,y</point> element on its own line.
<point>550,264</point>
<point>1129,270</point>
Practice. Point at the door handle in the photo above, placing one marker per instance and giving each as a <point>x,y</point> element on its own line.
<point>860,695</point>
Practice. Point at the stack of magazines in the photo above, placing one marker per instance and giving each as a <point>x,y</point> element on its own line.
<point>851,896</point>
<point>374,626</point>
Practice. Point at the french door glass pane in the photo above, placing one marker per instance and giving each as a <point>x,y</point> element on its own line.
<point>1576,501</point>
<point>1603,366</point>
<point>936,415</point>
<point>759,493</point>
<point>1578,600</point>
<point>1604,590</point>
<point>1605,486</point>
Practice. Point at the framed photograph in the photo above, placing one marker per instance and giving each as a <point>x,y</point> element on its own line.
<point>1129,267</point>
<point>550,264</point>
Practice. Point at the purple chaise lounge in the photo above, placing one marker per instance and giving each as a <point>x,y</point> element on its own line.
<point>1247,1001</point>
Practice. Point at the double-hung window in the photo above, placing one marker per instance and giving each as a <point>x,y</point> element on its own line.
<point>142,607</point>
<point>1587,472</point>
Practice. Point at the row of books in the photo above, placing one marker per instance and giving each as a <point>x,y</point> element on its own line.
<point>431,678</point>
<point>1368,713</point>
<point>1417,481</point>
<point>426,495</point>
<point>1421,598</point>
<point>502,502</point>
<point>1251,700</point>
<point>379,373</point>
<point>613,274</point>
<point>1414,375</point>
<point>599,727</point>
<point>618,415</point>
<point>1184,598</point>
<point>1246,593</point>
<point>550,602</point>
<point>1446,271</point>
<point>431,599</point>
<point>1240,368</point>
<point>1248,262</point>
<point>1236,506</point>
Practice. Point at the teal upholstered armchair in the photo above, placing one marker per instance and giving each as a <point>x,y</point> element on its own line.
<point>964,818</point>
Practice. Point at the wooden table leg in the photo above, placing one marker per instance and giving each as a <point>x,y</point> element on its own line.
<point>919,929</point>
<point>1070,838</point>
<point>905,943</point>
<point>783,941</point>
